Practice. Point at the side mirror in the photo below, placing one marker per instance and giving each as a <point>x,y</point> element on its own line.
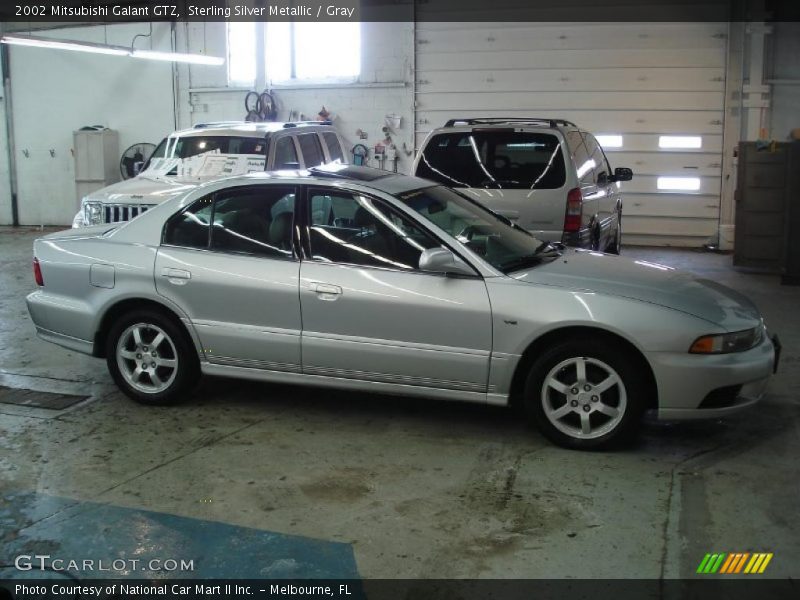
<point>442,260</point>
<point>622,174</point>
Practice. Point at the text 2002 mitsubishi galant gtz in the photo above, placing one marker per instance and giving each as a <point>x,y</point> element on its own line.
<point>366,280</point>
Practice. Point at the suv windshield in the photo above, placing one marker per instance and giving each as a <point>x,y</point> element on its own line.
<point>502,244</point>
<point>184,147</point>
<point>504,159</point>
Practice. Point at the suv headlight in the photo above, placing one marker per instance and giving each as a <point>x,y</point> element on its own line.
<point>723,343</point>
<point>93,213</point>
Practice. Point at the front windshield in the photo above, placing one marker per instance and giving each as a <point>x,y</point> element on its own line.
<point>503,245</point>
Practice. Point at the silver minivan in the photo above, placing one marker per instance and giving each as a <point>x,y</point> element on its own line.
<point>547,175</point>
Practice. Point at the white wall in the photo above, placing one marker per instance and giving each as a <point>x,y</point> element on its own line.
<point>385,86</point>
<point>5,186</point>
<point>56,92</point>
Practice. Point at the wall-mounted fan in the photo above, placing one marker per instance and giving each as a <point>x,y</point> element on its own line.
<point>133,159</point>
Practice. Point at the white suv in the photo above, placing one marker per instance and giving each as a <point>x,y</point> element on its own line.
<point>547,175</point>
<point>211,150</point>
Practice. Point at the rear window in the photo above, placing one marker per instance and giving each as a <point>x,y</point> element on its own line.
<point>311,149</point>
<point>494,160</point>
<point>334,147</point>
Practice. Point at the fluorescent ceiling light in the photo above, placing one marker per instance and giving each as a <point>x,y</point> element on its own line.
<point>199,59</point>
<point>610,140</point>
<point>64,45</point>
<point>680,141</point>
<point>683,184</point>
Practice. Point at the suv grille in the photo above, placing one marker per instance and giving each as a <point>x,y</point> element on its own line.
<point>116,213</point>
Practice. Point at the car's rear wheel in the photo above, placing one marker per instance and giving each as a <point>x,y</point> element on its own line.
<point>150,358</point>
<point>585,394</point>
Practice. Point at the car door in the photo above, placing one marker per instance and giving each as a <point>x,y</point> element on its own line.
<point>228,261</point>
<point>369,313</point>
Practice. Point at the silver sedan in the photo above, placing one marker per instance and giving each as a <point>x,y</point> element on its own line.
<point>360,279</point>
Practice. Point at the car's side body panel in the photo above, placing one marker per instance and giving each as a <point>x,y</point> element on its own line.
<point>393,326</point>
<point>244,308</point>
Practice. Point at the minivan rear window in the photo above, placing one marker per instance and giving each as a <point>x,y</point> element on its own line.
<point>494,160</point>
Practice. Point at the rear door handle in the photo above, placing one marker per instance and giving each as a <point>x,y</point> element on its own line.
<point>176,276</point>
<point>326,291</point>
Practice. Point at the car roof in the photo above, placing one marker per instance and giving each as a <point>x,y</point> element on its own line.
<point>384,181</point>
<point>248,129</point>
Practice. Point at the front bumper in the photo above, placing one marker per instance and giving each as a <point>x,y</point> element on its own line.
<point>686,381</point>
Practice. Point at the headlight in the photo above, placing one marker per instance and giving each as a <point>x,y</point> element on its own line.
<point>93,213</point>
<point>738,341</point>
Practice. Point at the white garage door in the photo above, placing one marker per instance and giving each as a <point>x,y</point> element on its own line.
<point>650,83</point>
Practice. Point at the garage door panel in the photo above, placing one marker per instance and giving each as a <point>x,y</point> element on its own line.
<point>501,37</point>
<point>648,184</point>
<point>568,59</point>
<point>607,121</point>
<point>658,163</point>
<point>669,205</point>
<point>674,101</point>
<point>641,143</point>
<point>670,226</point>
<point>581,80</point>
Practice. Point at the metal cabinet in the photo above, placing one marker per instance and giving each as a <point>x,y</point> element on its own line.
<point>96,160</point>
<point>768,209</point>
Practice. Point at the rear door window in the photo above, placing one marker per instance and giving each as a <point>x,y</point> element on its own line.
<point>494,160</point>
<point>584,162</point>
<point>334,147</point>
<point>285,154</point>
<point>311,150</point>
<point>597,155</point>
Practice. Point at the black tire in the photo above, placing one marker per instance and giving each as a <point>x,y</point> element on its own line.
<point>608,431</point>
<point>176,342</point>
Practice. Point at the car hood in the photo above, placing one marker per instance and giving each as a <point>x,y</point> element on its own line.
<point>142,190</point>
<point>647,282</point>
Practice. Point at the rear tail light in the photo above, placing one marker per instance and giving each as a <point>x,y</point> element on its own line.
<point>572,218</point>
<point>37,272</point>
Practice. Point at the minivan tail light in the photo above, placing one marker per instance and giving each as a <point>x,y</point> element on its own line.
<point>572,218</point>
<point>37,273</point>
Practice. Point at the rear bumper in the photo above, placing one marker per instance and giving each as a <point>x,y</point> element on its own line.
<point>692,386</point>
<point>49,314</point>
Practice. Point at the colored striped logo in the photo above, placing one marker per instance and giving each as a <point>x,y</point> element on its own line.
<point>735,562</point>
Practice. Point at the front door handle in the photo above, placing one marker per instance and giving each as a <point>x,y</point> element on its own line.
<point>176,276</point>
<point>326,291</point>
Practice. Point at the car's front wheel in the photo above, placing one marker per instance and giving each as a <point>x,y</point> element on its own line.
<point>585,394</point>
<point>150,358</point>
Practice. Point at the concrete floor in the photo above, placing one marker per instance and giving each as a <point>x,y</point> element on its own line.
<point>331,483</point>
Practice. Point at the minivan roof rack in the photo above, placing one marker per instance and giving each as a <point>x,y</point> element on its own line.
<point>495,120</point>
<point>216,124</point>
<point>296,123</point>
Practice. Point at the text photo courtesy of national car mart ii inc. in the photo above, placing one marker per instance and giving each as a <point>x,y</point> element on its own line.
<point>182,10</point>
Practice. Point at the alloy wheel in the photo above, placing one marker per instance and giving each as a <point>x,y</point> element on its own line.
<point>147,358</point>
<point>584,397</point>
